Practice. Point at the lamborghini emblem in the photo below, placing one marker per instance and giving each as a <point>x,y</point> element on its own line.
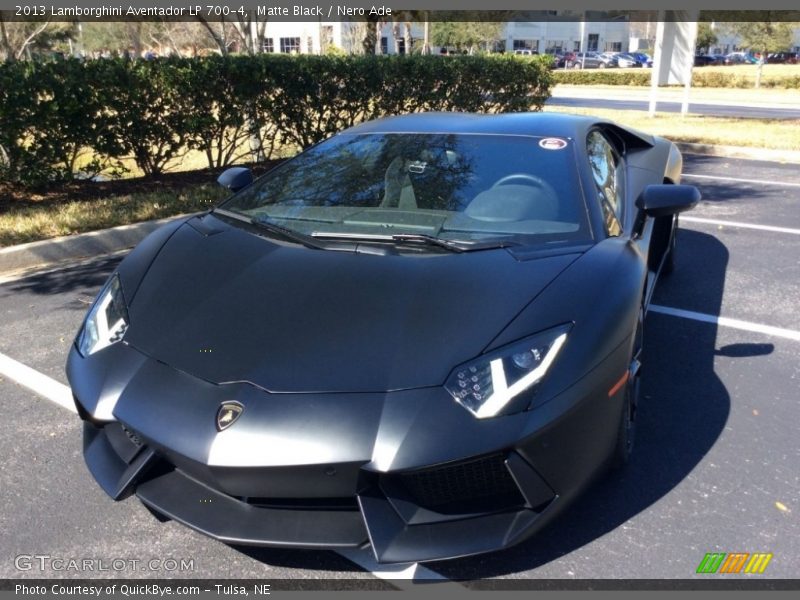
<point>228,413</point>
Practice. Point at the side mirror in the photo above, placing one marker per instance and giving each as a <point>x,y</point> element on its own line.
<point>235,178</point>
<point>667,199</point>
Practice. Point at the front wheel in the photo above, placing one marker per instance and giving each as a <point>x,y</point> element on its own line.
<point>626,434</point>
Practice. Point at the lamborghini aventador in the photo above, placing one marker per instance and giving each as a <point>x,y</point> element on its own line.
<point>423,334</point>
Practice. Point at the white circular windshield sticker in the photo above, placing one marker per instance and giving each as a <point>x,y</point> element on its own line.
<point>553,143</point>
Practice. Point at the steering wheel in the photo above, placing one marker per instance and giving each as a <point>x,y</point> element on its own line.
<point>531,180</point>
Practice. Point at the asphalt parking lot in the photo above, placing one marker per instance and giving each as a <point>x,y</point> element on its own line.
<point>717,464</point>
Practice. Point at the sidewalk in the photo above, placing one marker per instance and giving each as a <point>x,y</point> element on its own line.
<point>752,98</point>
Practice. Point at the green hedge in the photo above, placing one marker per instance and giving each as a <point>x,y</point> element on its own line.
<point>603,77</point>
<point>641,77</point>
<point>60,117</point>
<point>729,80</point>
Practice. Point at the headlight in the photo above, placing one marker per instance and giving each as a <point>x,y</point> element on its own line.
<point>487,385</point>
<point>106,322</point>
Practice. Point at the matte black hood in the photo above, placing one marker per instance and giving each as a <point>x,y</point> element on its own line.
<point>233,306</point>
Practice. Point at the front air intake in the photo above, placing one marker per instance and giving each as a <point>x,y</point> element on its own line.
<point>469,485</point>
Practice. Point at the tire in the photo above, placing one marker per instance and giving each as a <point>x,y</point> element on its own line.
<point>626,434</point>
<point>602,65</point>
<point>669,260</point>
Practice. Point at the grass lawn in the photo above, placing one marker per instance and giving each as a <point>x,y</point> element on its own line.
<point>34,221</point>
<point>760,133</point>
<point>80,206</point>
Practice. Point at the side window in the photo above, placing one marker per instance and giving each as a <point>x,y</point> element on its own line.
<point>607,172</point>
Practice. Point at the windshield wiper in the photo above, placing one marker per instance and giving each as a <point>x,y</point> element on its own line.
<point>428,240</point>
<point>455,245</point>
<point>414,238</point>
<point>390,238</point>
<point>263,222</point>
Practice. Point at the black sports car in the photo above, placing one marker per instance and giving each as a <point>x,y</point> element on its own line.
<point>423,334</point>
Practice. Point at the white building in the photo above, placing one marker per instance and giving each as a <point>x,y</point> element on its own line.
<point>315,37</point>
<point>546,36</point>
<point>537,36</point>
<point>541,37</point>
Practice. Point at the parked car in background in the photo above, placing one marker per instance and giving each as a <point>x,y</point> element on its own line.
<point>609,59</point>
<point>562,59</point>
<point>789,58</point>
<point>705,60</point>
<point>525,52</point>
<point>740,58</point>
<point>643,58</point>
<point>588,60</point>
<point>627,61</point>
<point>595,60</point>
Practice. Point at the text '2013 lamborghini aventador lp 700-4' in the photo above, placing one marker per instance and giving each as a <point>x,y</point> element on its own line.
<point>423,334</point>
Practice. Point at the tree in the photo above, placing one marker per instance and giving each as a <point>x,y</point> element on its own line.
<point>705,37</point>
<point>249,30</point>
<point>19,40</point>
<point>5,44</point>
<point>252,31</point>
<point>353,34</point>
<point>465,35</point>
<point>768,35</point>
<point>372,35</point>
<point>217,33</point>
<point>407,17</point>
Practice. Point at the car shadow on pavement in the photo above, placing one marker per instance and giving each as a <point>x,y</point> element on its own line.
<point>731,193</point>
<point>84,278</point>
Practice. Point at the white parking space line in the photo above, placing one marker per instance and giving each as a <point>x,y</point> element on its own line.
<point>741,180</point>
<point>772,228</point>
<point>727,322</point>
<point>41,384</point>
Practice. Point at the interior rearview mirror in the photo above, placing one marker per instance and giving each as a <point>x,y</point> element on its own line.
<point>235,178</point>
<point>667,199</point>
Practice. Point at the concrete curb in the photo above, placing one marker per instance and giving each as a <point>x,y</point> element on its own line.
<point>75,247</point>
<point>779,156</point>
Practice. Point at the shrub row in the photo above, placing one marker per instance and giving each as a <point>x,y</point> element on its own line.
<point>641,77</point>
<point>603,77</point>
<point>61,117</point>
<point>729,80</point>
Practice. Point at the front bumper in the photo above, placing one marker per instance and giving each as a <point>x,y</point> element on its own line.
<point>408,472</point>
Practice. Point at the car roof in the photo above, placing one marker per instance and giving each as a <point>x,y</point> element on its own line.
<point>530,123</point>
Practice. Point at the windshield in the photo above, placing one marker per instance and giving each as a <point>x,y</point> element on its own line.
<point>459,188</point>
